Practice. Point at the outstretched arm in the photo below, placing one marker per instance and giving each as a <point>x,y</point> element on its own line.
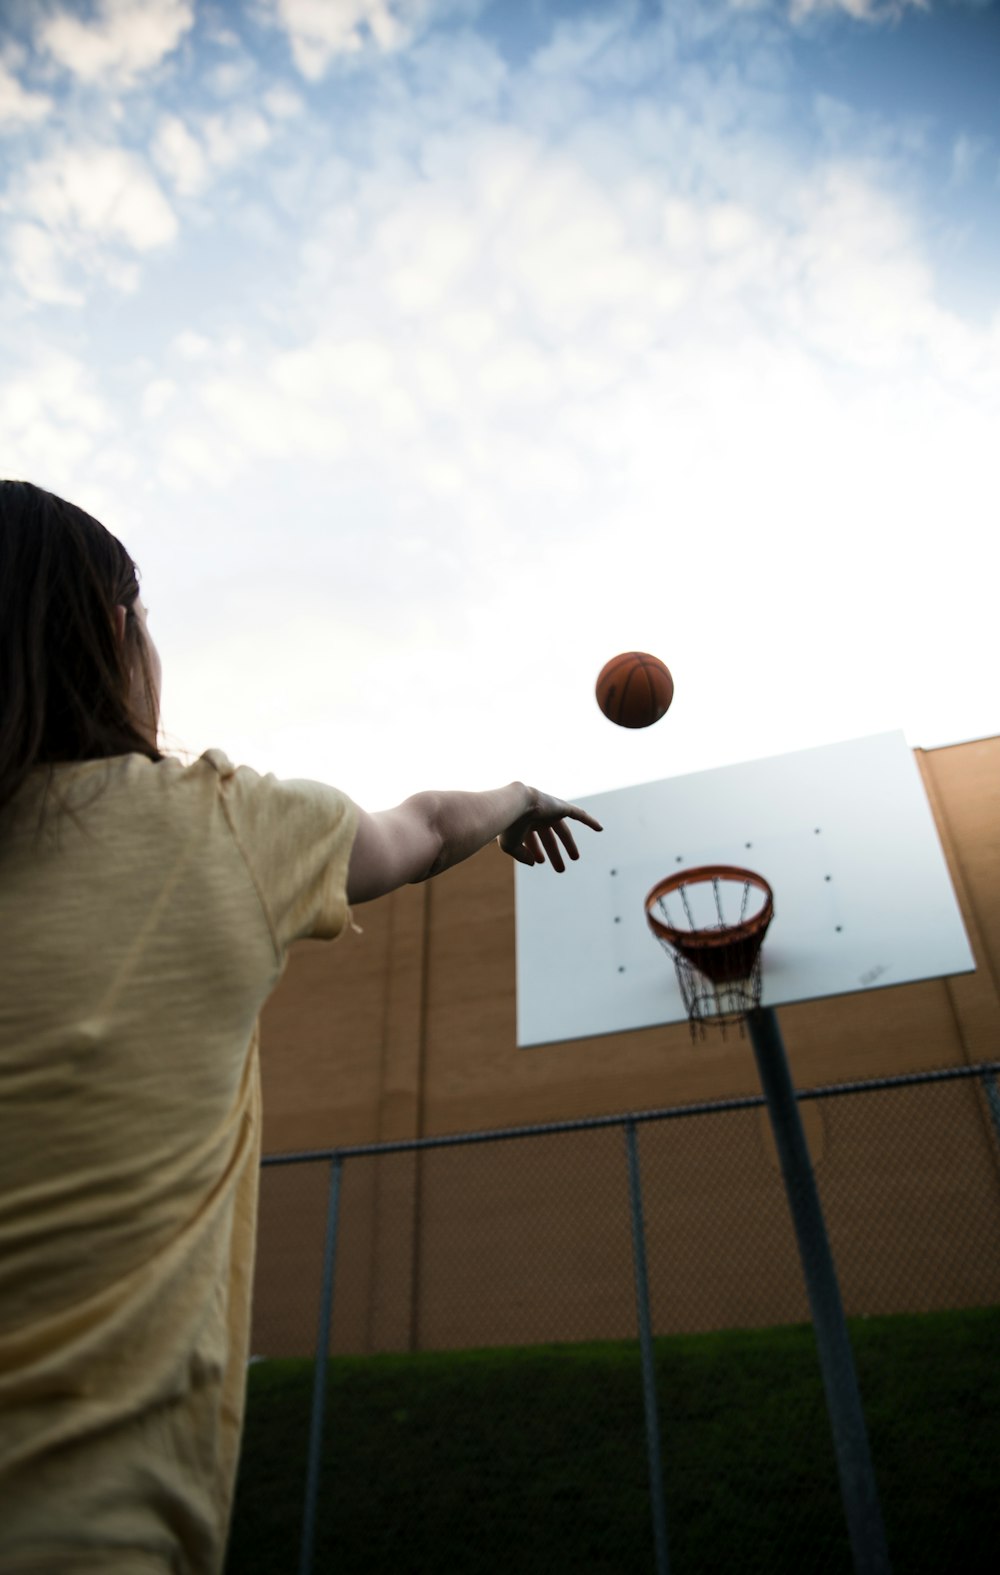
<point>432,831</point>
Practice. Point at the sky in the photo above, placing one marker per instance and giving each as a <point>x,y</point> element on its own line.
<point>427,353</point>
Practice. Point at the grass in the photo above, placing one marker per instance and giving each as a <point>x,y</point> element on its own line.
<point>534,1460</point>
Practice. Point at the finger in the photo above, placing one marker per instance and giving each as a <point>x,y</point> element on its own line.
<point>582,815</point>
<point>551,846</point>
<point>567,839</point>
<point>517,848</point>
<point>534,847</point>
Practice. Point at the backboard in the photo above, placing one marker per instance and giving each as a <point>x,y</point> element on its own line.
<point>845,837</point>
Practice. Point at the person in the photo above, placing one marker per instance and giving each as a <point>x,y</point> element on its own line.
<point>146,911</point>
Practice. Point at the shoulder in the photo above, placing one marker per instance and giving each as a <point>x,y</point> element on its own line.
<point>217,763</point>
<point>256,805</point>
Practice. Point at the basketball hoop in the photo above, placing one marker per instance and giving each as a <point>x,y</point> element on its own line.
<point>716,950</point>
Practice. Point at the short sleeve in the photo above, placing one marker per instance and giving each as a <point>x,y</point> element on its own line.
<point>296,839</point>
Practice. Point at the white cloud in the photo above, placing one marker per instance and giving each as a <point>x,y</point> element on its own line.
<point>36,266</point>
<point>569,249</point>
<point>232,78</point>
<point>283,103</point>
<point>52,418</point>
<point>859,290</point>
<point>276,426</point>
<point>549,301</point>
<point>349,389</point>
<point>103,192</point>
<point>84,209</point>
<point>18,106</point>
<point>354,368</point>
<point>424,247</point>
<point>319,32</point>
<point>859,10</point>
<point>579,43</point>
<point>188,456</point>
<point>120,273</point>
<point>223,141</point>
<point>191,346</point>
<point>180,156</point>
<point>457,78</point>
<point>235,135</point>
<point>216,32</point>
<point>125,39</point>
<point>572,353</point>
<point>322,31</point>
<point>156,396</point>
<point>519,372</point>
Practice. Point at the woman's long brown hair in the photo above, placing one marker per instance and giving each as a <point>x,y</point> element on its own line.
<point>64,674</point>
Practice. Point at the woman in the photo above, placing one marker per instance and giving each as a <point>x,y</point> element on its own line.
<point>146,911</point>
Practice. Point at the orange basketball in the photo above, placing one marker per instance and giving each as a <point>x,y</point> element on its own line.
<point>634,689</point>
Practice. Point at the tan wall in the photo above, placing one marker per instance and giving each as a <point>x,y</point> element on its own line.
<point>408,1030</point>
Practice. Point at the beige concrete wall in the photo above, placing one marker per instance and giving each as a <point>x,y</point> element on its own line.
<point>408,1030</point>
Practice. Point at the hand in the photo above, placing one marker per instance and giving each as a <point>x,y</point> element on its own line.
<point>538,833</point>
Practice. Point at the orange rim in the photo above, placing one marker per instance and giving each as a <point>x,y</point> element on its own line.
<point>730,935</point>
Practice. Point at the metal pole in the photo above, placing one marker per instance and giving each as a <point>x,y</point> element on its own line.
<point>843,1398</point>
<point>646,1352</point>
<point>993,1100</point>
<point>319,1374</point>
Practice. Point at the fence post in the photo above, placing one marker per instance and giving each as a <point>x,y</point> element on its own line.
<point>319,1373</point>
<point>646,1353</point>
<point>993,1100</point>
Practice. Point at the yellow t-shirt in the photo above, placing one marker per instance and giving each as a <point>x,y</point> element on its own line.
<point>138,942</point>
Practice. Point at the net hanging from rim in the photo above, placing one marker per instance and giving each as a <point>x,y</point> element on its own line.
<point>716,944</point>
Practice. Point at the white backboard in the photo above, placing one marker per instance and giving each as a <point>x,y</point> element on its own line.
<point>845,837</point>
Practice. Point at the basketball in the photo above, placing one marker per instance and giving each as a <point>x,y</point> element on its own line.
<point>634,689</point>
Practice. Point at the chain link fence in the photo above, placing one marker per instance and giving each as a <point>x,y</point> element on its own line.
<point>640,1275</point>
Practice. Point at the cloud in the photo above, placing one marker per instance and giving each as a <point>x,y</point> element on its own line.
<point>105,192</point>
<point>234,78</point>
<point>191,346</point>
<point>455,78</point>
<point>223,141</point>
<point>319,33</point>
<point>18,106</point>
<point>872,11</point>
<point>188,458</point>
<point>566,302</point>
<point>83,207</point>
<point>858,289</point>
<point>283,103</point>
<point>180,156</point>
<point>322,31</point>
<point>581,45</point>
<point>235,135</point>
<point>156,396</point>
<point>36,265</point>
<point>52,417</point>
<point>125,40</point>
<point>570,335</point>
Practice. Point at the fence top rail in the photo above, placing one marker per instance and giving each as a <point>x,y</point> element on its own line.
<point>984,1069</point>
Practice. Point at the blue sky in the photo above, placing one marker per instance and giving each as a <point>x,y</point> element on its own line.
<point>426,353</point>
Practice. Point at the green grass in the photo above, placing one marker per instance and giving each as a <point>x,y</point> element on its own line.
<point>534,1460</point>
